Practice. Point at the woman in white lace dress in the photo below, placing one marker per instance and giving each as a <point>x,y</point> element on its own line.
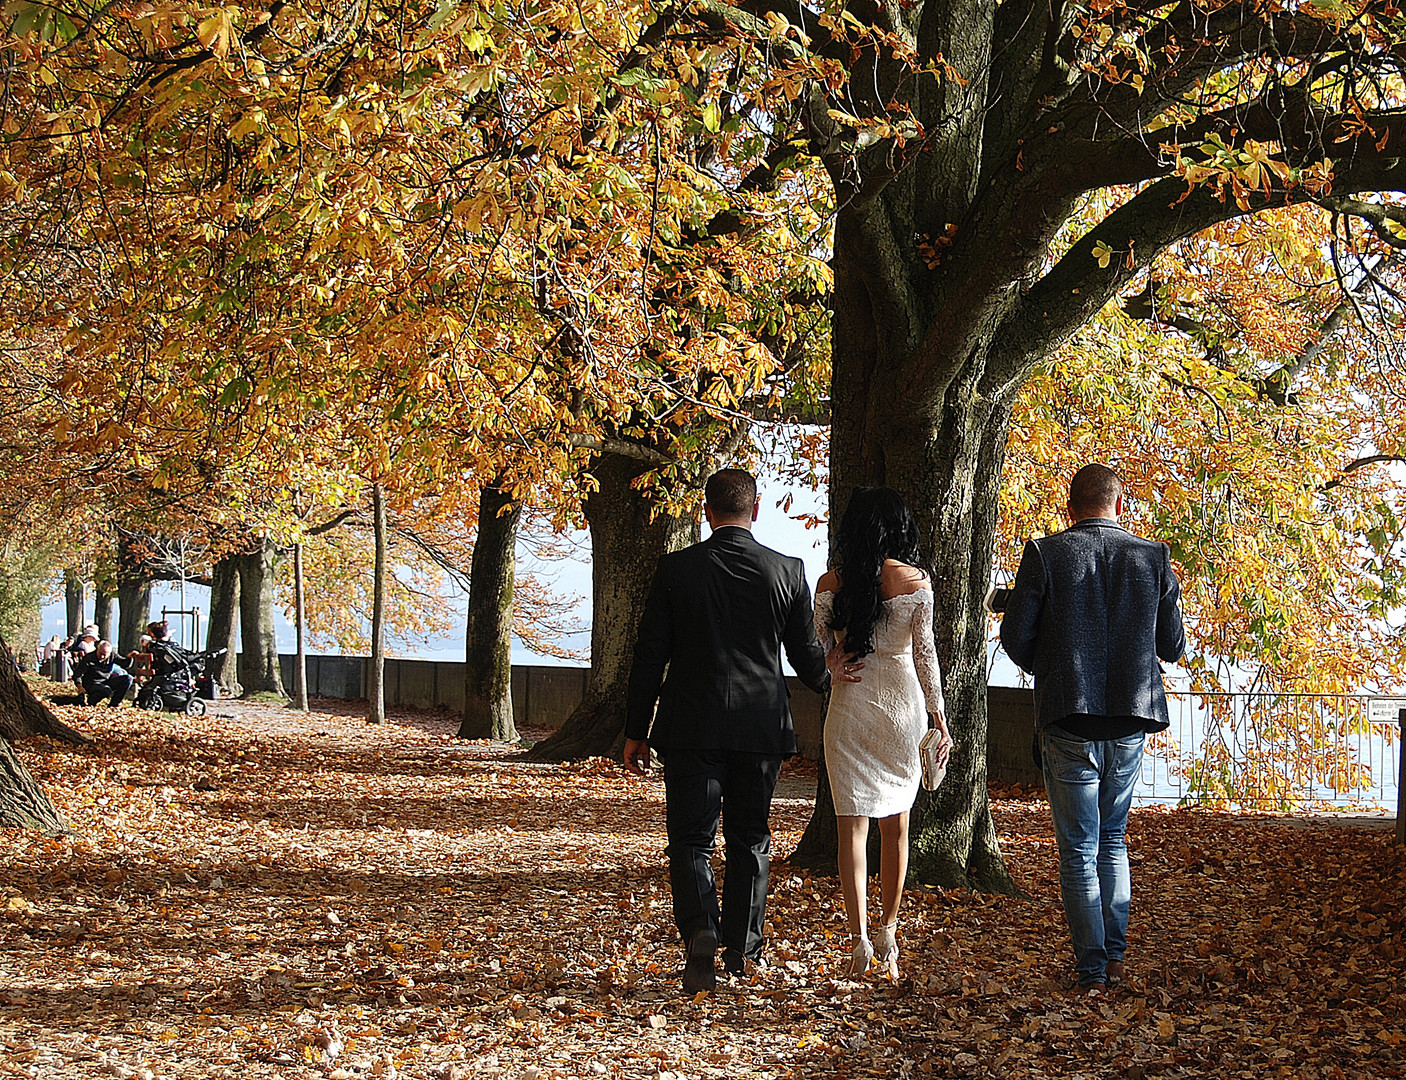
<point>878,602</point>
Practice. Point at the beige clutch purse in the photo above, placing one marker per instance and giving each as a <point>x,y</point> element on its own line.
<point>933,772</point>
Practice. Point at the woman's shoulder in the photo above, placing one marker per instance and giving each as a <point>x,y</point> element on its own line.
<point>829,582</point>
<point>900,579</point>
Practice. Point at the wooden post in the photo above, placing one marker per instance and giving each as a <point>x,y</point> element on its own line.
<point>300,659</point>
<point>1401,777</point>
<point>376,711</point>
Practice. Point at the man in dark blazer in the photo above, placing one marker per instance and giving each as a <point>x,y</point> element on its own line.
<point>709,651</point>
<point>1093,610</point>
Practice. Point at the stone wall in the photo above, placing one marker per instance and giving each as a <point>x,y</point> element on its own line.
<point>544,695</point>
<point>1010,731</point>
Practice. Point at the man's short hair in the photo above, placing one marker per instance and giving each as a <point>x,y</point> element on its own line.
<point>1094,488</point>
<point>731,493</point>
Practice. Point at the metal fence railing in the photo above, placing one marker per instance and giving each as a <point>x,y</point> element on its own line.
<point>1273,751</point>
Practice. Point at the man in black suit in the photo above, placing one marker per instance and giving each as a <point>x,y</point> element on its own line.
<point>1093,610</point>
<point>717,618</point>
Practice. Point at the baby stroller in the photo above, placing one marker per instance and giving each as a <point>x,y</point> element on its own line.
<point>177,678</point>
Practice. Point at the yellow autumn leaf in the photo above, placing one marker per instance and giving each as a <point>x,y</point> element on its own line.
<point>216,31</point>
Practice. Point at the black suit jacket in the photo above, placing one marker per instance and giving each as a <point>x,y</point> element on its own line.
<point>1093,610</point>
<point>718,615</point>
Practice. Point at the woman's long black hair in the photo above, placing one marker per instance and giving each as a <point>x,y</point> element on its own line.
<point>877,525</point>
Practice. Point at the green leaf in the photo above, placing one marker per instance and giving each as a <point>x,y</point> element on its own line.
<point>234,390</point>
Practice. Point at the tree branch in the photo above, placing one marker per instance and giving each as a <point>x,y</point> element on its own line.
<point>602,444</point>
<point>356,516</point>
<point>1078,286</point>
<point>1362,463</point>
<point>1381,216</point>
<point>436,554</point>
<point>1182,50</point>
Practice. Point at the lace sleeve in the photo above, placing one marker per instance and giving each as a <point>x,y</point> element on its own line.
<point>925,653</point>
<point>824,616</point>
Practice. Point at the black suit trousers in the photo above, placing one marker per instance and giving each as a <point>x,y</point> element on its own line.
<point>701,786</point>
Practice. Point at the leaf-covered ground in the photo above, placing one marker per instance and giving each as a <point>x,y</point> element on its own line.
<point>262,894</point>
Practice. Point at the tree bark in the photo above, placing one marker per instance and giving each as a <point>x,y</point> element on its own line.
<point>945,458</point>
<point>818,849</point>
<point>376,692</point>
<point>103,602</point>
<point>133,613</point>
<point>258,654</point>
<point>300,658</point>
<point>625,547</point>
<point>133,596</point>
<point>488,667</point>
<point>22,714</point>
<point>224,624</point>
<point>954,477</point>
<point>23,804</point>
<point>74,596</point>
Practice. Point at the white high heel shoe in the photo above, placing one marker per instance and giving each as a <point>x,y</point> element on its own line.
<point>885,950</point>
<point>863,954</point>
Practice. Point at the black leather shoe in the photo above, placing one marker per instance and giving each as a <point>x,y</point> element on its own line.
<point>698,972</point>
<point>738,965</point>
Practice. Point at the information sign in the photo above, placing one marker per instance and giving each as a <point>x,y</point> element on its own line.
<point>1385,710</point>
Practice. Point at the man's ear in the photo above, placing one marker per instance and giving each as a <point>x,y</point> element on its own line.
<point>756,507</point>
<point>708,514</point>
<point>1118,506</point>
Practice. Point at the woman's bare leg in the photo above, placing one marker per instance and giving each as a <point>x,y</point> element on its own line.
<point>854,871</point>
<point>854,885</point>
<point>893,871</point>
<point>893,864</point>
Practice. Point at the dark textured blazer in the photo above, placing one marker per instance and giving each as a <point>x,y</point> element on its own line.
<point>718,615</point>
<point>1093,610</point>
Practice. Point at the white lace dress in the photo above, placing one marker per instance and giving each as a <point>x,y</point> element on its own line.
<point>873,727</point>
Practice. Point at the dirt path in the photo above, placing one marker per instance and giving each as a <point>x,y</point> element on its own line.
<point>243,896</point>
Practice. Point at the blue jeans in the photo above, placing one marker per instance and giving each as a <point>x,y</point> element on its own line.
<point>1090,788</point>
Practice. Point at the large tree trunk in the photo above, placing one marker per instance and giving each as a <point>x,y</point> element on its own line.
<point>133,612</point>
<point>258,653</point>
<point>376,711</point>
<point>103,602</point>
<point>74,596</point>
<point>954,477</point>
<point>224,624</point>
<point>133,597</point>
<point>945,458</point>
<point>22,714</point>
<point>300,655</point>
<point>23,804</point>
<point>625,547</point>
<point>488,652</point>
